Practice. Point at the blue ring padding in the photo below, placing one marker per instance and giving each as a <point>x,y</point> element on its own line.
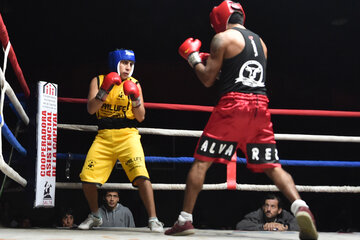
<point>70,156</point>
<point>15,111</point>
<point>21,99</point>
<point>12,140</point>
<point>156,159</point>
<point>19,96</point>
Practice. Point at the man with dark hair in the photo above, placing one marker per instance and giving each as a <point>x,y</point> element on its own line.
<point>113,213</point>
<point>67,219</point>
<point>241,118</point>
<point>270,217</point>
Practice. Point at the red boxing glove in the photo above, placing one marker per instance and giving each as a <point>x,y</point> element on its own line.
<point>204,56</point>
<point>190,51</point>
<point>130,89</point>
<point>107,84</point>
<point>189,46</point>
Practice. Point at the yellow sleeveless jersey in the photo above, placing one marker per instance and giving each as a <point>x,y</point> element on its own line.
<point>116,107</point>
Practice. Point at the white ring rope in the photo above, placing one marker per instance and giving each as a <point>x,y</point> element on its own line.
<point>6,54</point>
<point>14,100</point>
<point>6,88</point>
<point>2,97</point>
<point>78,127</point>
<point>219,186</point>
<point>197,133</point>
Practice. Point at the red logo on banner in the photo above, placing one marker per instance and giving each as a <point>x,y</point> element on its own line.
<point>49,89</point>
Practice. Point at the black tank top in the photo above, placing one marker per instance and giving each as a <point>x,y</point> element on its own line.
<point>245,72</point>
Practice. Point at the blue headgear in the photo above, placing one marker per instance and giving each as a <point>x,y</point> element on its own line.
<point>116,56</point>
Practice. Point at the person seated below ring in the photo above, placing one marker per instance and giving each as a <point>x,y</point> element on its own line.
<point>270,217</point>
<point>113,213</point>
<point>67,219</point>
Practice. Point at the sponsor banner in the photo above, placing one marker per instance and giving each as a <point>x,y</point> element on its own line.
<point>46,139</point>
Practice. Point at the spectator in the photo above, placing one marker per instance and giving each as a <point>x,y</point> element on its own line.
<point>113,213</point>
<point>270,217</point>
<point>67,219</point>
<point>23,221</point>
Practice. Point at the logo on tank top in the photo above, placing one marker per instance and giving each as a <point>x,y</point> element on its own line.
<point>254,46</point>
<point>251,74</point>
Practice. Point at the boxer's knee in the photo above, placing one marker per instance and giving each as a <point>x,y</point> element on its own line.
<point>200,167</point>
<point>141,181</point>
<point>277,173</point>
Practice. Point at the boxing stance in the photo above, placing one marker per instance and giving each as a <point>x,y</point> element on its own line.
<point>117,101</point>
<point>241,119</point>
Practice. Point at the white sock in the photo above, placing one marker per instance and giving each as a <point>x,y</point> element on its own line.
<point>96,214</point>
<point>153,219</point>
<point>184,217</point>
<point>296,204</point>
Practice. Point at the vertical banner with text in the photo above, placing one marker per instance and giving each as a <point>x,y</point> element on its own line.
<point>46,134</point>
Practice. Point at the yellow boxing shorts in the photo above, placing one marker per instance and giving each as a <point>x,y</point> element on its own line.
<point>109,146</point>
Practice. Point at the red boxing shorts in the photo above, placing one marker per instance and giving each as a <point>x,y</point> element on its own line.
<point>240,120</point>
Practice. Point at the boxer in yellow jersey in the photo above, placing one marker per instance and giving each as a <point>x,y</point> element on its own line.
<point>117,101</point>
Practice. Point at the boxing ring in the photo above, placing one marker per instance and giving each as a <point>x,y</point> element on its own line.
<point>7,91</point>
<point>231,175</point>
<point>143,233</point>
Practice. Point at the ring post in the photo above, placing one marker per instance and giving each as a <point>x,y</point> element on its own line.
<point>46,138</point>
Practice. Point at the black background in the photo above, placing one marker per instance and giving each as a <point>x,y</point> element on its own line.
<point>313,63</point>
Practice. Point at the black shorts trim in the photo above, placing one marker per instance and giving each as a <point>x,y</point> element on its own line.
<point>138,178</point>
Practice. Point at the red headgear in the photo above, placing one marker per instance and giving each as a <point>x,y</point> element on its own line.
<point>220,15</point>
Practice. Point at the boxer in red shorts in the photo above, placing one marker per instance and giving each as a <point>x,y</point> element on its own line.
<point>241,119</point>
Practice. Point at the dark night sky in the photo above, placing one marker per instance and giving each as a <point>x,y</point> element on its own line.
<point>313,48</point>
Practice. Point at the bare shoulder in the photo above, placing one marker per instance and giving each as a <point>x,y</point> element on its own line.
<point>94,80</point>
<point>94,85</point>
<point>235,37</point>
<point>262,42</point>
<point>264,47</point>
<point>217,43</point>
<point>93,88</point>
<point>234,42</point>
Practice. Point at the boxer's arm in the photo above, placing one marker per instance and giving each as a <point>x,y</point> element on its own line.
<point>93,104</point>
<point>139,112</point>
<point>208,73</point>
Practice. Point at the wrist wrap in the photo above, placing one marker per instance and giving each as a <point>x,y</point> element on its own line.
<point>194,59</point>
<point>136,103</point>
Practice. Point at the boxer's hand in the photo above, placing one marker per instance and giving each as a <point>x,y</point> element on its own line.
<point>108,83</point>
<point>130,89</point>
<point>189,50</point>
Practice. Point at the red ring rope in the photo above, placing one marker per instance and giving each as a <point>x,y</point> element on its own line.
<point>4,38</point>
<point>184,107</point>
